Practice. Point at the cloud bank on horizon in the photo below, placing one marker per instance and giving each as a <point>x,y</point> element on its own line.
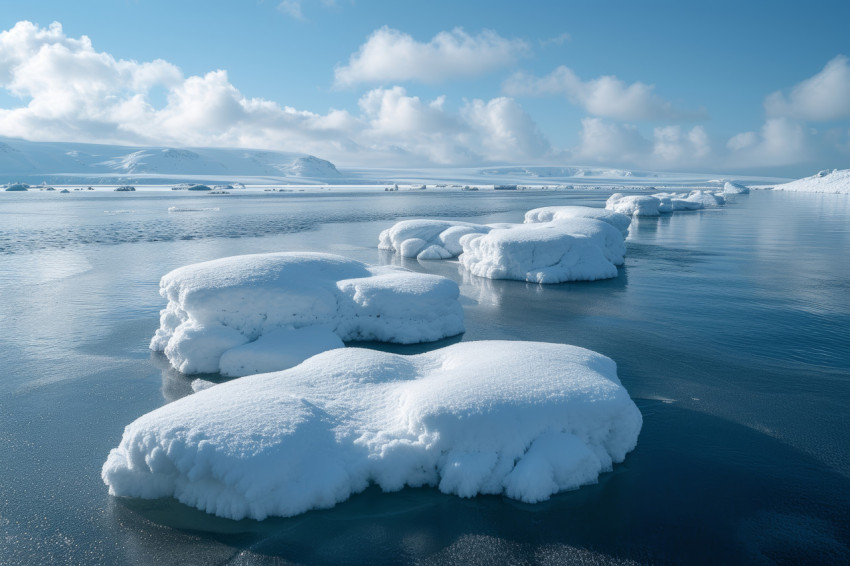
<point>70,91</point>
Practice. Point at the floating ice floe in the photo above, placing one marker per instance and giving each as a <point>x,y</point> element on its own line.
<point>575,249</point>
<point>549,213</point>
<point>835,181</point>
<point>634,205</point>
<point>428,239</point>
<point>522,419</point>
<point>733,188</point>
<point>243,314</point>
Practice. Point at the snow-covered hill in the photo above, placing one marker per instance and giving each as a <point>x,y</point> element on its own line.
<point>835,181</point>
<point>57,162</point>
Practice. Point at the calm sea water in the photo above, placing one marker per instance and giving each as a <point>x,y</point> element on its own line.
<point>730,327</point>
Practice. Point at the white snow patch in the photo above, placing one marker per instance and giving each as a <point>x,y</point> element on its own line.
<point>549,213</point>
<point>633,205</point>
<point>522,419</point>
<point>733,188</point>
<point>428,239</point>
<point>221,305</point>
<point>835,181</point>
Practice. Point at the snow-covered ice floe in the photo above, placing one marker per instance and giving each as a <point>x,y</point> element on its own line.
<point>246,314</point>
<point>428,239</point>
<point>523,419</point>
<point>549,213</point>
<point>733,188</point>
<point>575,249</point>
<point>654,205</point>
<point>835,181</point>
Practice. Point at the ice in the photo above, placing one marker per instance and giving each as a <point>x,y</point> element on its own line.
<point>575,249</point>
<point>549,213</point>
<point>428,239</point>
<point>633,205</point>
<point>707,199</point>
<point>221,313</point>
<point>835,181</point>
<point>733,188</point>
<point>522,419</point>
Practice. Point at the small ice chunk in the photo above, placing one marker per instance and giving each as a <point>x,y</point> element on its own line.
<point>523,419</point>
<point>427,238</point>
<point>732,188</point>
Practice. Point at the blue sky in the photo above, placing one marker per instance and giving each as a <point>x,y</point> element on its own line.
<point>758,87</point>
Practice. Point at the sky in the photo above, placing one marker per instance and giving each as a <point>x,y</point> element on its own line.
<point>757,87</point>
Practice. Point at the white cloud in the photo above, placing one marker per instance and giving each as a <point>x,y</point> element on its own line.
<point>606,96</point>
<point>781,142</point>
<point>292,8</point>
<point>821,98</point>
<point>70,92</point>
<point>558,40</point>
<point>392,56</point>
<point>603,142</point>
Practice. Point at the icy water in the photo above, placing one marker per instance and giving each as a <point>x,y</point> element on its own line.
<point>730,327</point>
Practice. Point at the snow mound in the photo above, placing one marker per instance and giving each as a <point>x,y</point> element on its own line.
<point>707,199</point>
<point>522,419</point>
<point>633,205</point>
<point>217,307</point>
<point>732,188</point>
<point>549,213</point>
<point>577,249</point>
<point>428,239</point>
<point>835,181</point>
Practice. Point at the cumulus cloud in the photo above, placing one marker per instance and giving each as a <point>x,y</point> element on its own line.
<point>392,56</point>
<point>606,96</point>
<point>821,98</point>
<point>781,141</point>
<point>71,92</point>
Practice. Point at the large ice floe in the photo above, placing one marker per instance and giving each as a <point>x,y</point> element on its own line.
<point>556,244</point>
<point>654,205</point>
<point>523,419</point>
<point>245,314</point>
<point>575,249</point>
<point>835,181</point>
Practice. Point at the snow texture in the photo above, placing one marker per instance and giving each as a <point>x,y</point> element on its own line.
<point>522,419</point>
<point>835,181</point>
<point>215,309</point>
<point>654,205</point>
<point>633,205</point>
<point>574,249</point>
<point>549,213</point>
<point>733,188</point>
<point>428,239</point>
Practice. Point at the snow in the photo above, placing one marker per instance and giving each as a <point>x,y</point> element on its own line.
<point>633,205</point>
<point>549,213</point>
<point>522,419</point>
<point>574,249</point>
<point>835,181</point>
<point>733,188</point>
<point>215,309</point>
<point>428,239</point>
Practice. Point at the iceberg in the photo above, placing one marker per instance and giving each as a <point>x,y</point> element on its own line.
<point>522,419</point>
<point>578,249</point>
<point>217,308</point>
<point>549,213</point>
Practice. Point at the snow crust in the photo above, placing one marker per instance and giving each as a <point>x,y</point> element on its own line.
<point>574,249</point>
<point>835,181</point>
<point>549,213</point>
<point>633,205</point>
<point>239,314</point>
<point>522,419</point>
<point>733,188</point>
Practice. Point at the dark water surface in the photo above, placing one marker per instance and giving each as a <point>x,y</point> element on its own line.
<point>730,327</point>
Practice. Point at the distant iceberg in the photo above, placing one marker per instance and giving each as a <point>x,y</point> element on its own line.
<point>522,419</point>
<point>835,181</point>
<point>217,307</point>
<point>733,188</point>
